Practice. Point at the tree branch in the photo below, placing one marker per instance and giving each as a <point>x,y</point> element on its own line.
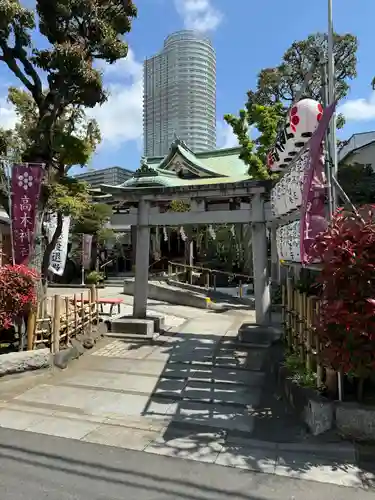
<point>9,58</point>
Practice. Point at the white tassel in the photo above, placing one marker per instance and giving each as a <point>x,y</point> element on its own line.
<point>182,234</point>
<point>212,232</point>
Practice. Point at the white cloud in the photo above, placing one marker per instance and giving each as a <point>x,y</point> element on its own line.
<point>120,118</point>
<point>8,117</point>
<point>200,15</point>
<point>359,109</point>
<point>225,137</point>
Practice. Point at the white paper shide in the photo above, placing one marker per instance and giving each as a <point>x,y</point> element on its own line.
<point>59,253</point>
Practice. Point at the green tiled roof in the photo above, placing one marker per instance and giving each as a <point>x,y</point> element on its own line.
<point>217,162</point>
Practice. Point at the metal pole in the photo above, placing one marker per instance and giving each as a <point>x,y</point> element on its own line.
<point>331,98</point>
<point>328,169</point>
<point>332,137</point>
<point>8,173</point>
<point>83,267</point>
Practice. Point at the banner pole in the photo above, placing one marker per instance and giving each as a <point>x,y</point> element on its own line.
<point>83,267</point>
<point>9,182</point>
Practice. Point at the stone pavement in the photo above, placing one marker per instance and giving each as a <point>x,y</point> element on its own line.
<point>194,393</point>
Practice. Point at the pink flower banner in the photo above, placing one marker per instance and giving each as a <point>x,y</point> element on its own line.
<point>25,191</point>
<point>313,210</point>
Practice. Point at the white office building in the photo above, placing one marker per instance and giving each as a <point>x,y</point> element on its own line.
<point>179,96</point>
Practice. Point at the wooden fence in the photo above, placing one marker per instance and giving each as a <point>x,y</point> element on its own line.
<point>299,314</point>
<point>207,277</point>
<point>60,318</point>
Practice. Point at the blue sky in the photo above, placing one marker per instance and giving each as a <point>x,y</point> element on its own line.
<point>247,36</point>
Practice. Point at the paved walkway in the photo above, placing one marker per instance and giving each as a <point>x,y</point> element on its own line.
<point>193,394</point>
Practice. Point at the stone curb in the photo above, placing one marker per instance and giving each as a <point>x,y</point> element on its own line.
<point>18,362</point>
<point>78,346</point>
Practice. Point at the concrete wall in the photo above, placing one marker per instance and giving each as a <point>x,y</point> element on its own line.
<point>170,294</point>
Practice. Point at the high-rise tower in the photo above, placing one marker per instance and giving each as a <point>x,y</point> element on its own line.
<point>179,95</point>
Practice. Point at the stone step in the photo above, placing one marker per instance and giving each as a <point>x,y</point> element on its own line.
<point>129,324</point>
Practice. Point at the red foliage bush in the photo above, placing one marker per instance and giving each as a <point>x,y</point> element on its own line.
<point>346,326</point>
<point>17,293</point>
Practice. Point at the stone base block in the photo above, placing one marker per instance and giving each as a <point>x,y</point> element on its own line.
<point>314,410</point>
<point>260,335</point>
<point>355,421</point>
<point>132,325</point>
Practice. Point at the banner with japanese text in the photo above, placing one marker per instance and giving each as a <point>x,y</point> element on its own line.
<point>86,250</point>
<point>60,252</point>
<point>26,183</point>
<point>314,193</point>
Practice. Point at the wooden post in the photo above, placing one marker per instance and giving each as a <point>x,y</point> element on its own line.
<point>169,269</point>
<point>56,324</point>
<point>309,359</point>
<point>67,319</point>
<point>288,314</point>
<point>75,314</point>
<point>283,306</point>
<point>240,289</point>
<point>214,280</point>
<point>96,300</point>
<point>319,366</point>
<point>31,325</point>
<point>301,325</point>
<point>90,310</point>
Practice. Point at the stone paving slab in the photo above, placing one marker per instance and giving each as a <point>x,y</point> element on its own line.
<point>62,427</point>
<point>122,382</point>
<point>213,415</point>
<point>115,435</point>
<point>200,447</point>
<point>318,468</point>
<point>262,459</point>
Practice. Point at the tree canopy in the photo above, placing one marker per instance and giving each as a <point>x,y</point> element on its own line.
<point>278,87</point>
<point>58,82</point>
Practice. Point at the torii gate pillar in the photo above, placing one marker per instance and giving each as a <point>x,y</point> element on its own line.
<point>260,262</point>
<point>142,261</point>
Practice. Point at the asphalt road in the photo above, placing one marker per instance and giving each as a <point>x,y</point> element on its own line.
<point>38,467</point>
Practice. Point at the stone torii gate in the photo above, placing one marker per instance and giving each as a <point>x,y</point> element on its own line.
<point>216,203</point>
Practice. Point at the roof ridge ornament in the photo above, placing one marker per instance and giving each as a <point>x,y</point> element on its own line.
<point>145,169</point>
<point>177,141</point>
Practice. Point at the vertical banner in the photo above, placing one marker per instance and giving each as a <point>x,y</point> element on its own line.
<point>60,252</point>
<point>313,212</point>
<point>26,183</point>
<point>86,250</point>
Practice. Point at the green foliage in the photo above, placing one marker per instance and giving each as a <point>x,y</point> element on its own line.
<point>94,277</point>
<point>267,120</point>
<point>178,206</point>
<point>77,32</point>
<point>68,196</point>
<point>79,37</point>
<point>92,219</point>
<point>299,373</point>
<point>277,88</point>
<point>358,182</point>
